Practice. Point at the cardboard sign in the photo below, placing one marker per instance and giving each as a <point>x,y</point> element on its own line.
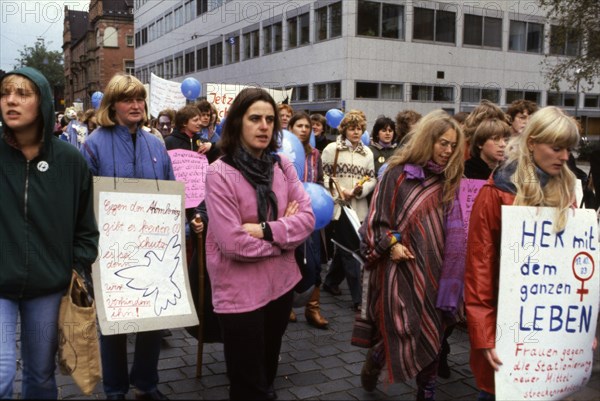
<point>221,95</point>
<point>164,94</point>
<point>140,276</point>
<point>190,168</point>
<point>547,303</point>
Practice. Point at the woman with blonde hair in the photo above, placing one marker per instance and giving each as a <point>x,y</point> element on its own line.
<point>404,241</point>
<point>349,173</point>
<point>121,147</point>
<point>534,174</point>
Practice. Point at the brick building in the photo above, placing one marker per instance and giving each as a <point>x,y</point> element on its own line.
<point>96,45</point>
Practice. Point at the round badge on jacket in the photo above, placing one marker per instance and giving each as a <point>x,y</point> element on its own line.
<point>43,166</point>
<point>381,159</point>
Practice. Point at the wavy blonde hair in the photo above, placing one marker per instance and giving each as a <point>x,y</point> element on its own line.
<point>418,149</point>
<point>550,125</point>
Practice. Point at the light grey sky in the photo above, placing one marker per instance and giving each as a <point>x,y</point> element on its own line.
<point>22,22</point>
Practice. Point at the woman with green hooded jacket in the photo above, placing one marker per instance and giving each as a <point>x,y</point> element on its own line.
<point>47,228</point>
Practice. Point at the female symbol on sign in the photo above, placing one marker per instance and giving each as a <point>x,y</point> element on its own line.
<point>583,270</point>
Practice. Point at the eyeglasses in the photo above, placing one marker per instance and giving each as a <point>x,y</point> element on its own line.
<point>444,144</point>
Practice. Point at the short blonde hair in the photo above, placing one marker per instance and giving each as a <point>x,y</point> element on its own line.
<point>352,119</point>
<point>120,87</point>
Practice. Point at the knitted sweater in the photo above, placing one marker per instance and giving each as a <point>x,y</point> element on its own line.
<point>353,164</point>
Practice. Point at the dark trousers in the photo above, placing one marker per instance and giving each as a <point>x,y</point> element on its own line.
<point>251,343</point>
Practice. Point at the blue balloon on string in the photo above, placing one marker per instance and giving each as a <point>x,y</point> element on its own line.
<point>334,117</point>
<point>312,140</point>
<point>321,202</point>
<point>97,99</point>
<point>365,138</point>
<point>292,148</point>
<point>191,88</point>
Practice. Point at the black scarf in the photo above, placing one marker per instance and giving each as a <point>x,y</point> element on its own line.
<point>259,173</point>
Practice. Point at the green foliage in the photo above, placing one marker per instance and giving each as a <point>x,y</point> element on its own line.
<point>49,63</point>
<point>577,21</point>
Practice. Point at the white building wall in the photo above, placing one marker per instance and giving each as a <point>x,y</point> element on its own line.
<point>350,58</point>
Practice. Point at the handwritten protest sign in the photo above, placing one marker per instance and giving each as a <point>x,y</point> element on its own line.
<point>469,188</point>
<point>221,95</point>
<point>547,303</point>
<point>164,94</point>
<point>140,276</point>
<point>190,168</point>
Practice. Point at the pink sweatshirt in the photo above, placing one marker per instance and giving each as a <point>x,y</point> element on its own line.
<point>247,273</point>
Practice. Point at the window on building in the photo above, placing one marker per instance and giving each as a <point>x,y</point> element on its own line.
<point>138,40</point>
<point>144,36</point>
<point>202,59</point>
<point>160,70</point>
<point>482,31</point>
<point>298,31</point>
<point>168,22</point>
<point>151,32</point>
<point>201,7</point>
<point>232,49</point>
<point>327,91</point>
<point>111,37</point>
<point>272,38</point>
<point>561,99</point>
<point>277,37</point>
<point>377,90</point>
<point>476,95</point>
<point>591,101</point>
<point>169,69</point>
<point>432,93</point>
<point>178,17</point>
<point>190,62</point>
<point>216,54</point>
<point>526,37</point>
<point>381,20</point>
<point>564,41</point>
<point>434,25</point>
<point>300,93</point>
<point>251,45</point>
<point>512,95</point>
<point>190,10</point>
<point>129,67</point>
<point>328,22</point>
<point>160,27</point>
<point>178,66</point>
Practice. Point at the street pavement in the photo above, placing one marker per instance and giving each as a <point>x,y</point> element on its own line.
<point>315,365</point>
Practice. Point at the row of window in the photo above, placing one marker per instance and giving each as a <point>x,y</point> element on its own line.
<point>383,20</point>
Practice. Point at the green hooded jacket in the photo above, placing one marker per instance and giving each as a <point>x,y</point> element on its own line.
<point>47,221</point>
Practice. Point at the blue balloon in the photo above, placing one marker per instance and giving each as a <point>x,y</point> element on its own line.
<point>334,117</point>
<point>312,139</point>
<point>191,88</point>
<point>321,202</point>
<point>291,146</point>
<point>97,99</point>
<point>365,138</point>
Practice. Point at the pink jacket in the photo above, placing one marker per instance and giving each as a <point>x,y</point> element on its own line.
<point>247,273</point>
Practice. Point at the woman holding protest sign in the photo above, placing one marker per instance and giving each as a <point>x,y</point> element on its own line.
<point>534,174</point>
<point>404,241</point>
<point>120,147</point>
<point>259,213</point>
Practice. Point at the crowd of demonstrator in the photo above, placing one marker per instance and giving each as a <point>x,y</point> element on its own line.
<point>401,180</point>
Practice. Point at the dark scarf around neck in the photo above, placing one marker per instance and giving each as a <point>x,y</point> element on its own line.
<point>259,173</point>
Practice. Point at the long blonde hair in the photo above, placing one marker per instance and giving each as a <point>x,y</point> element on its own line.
<point>551,126</point>
<point>418,149</point>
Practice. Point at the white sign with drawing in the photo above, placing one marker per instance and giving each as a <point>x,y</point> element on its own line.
<point>140,277</point>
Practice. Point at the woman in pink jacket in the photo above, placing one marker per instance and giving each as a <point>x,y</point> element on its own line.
<point>259,213</point>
